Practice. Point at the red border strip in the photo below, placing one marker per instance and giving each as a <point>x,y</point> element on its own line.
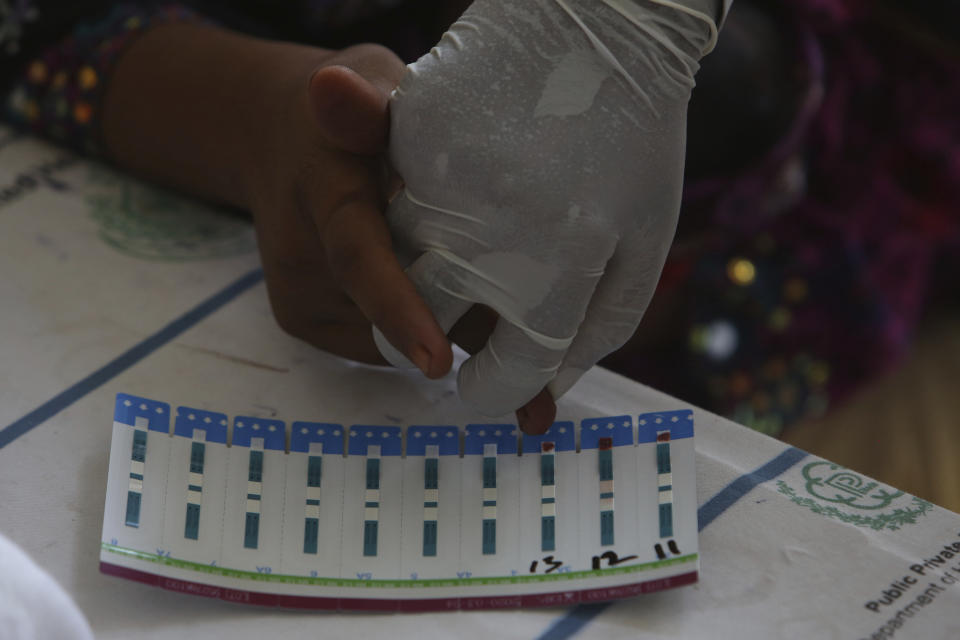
<point>556,599</point>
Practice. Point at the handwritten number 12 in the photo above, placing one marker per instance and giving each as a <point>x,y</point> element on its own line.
<point>611,558</point>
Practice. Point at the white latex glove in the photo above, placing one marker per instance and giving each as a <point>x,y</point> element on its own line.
<point>542,147</point>
<point>32,604</point>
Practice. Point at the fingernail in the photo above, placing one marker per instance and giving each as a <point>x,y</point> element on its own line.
<point>523,417</point>
<point>538,414</point>
<point>421,357</point>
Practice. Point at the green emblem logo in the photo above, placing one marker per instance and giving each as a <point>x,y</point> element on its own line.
<point>836,492</point>
<point>829,482</point>
<point>146,222</point>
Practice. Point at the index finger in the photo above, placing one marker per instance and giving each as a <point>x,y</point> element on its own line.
<point>361,259</point>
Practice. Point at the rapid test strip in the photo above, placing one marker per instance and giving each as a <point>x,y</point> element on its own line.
<point>489,522</point>
<point>137,458</point>
<point>196,486</point>
<point>490,501</point>
<point>548,490</point>
<point>140,453</point>
<point>431,502</point>
<point>548,497</point>
<point>311,515</point>
<point>372,502</point>
<point>664,442</point>
<point>549,519</point>
<point>664,484</point>
<point>371,514</point>
<point>253,517</point>
<point>313,500</point>
<point>608,480</point>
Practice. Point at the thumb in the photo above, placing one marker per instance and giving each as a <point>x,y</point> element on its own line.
<point>351,112</point>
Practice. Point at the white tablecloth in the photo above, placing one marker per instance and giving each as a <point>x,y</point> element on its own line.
<point>108,285</point>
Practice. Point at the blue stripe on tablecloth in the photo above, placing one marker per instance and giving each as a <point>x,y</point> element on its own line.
<point>127,359</point>
<point>727,496</point>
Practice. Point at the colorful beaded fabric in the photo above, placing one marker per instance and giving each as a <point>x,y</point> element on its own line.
<point>60,93</point>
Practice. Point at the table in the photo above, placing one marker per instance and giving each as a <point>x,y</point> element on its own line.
<point>111,285</point>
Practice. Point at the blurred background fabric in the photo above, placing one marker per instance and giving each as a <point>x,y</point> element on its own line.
<point>821,216</point>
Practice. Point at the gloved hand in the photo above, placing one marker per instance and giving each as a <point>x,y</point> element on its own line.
<point>541,143</point>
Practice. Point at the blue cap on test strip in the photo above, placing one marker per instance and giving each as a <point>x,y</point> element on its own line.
<point>561,434</point>
<point>129,408</point>
<point>362,436</point>
<point>245,428</point>
<point>214,424</point>
<point>303,433</point>
<point>618,428</point>
<point>447,439</point>
<point>503,435</point>
<point>678,423</point>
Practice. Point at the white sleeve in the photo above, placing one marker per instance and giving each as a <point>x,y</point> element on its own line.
<point>32,605</point>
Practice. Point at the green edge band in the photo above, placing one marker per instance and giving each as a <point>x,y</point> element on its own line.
<point>347,582</point>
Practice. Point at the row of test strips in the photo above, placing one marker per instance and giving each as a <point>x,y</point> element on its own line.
<point>260,458</point>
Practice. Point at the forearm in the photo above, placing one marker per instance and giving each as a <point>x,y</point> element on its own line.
<point>195,107</point>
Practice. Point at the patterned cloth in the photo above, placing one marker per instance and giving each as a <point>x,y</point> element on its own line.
<point>60,93</point>
<point>56,59</point>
